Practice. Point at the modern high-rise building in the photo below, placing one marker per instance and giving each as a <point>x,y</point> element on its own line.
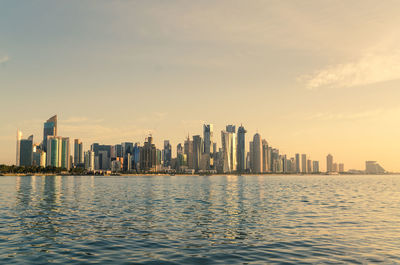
<point>208,135</point>
<point>197,151</point>
<point>329,163</point>
<point>266,158</point>
<point>297,163</point>
<point>65,153</point>
<point>19,138</point>
<point>309,166</point>
<point>49,129</point>
<point>303,163</point>
<point>226,147</point>
<point>167,154</point>
<point>188,149</point>
<point>257,154</point>
<point>341,167</point>
<point>372,167</point>
<point>229,152</point>
<point>315,166</point>
<point>53,154</point>
<point>148,156</point>
<point>241,149</point>
<point>39,158</point>
<point>118,150</point>
<point>335,167</point>
<point>78,152</point>
<point>26,152</point>
<point>275,160</point>
<point>231,129</point>
<point>89,161</point>
<point>103,162</point>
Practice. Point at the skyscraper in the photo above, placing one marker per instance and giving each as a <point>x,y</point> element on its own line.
<point>329,163</point>
<point>89,160</point>
<point>167,154</point>
<point>297,163</point>
<point>231,129</point>
<point>49,129</point>
<point>241,149</point>
<point>26,152</point>
<point>53,155</point>
<point>226,147</point>
<point>78,152</point>
<point>303,163</point>
<point>265,163</point>
<point>257,154</point>
<point>341,167</point>
<point>309,166</point>
<point>148,156</point>
<point>208,135</point>
<point>188,149</point>
<point>65,153</point>
<point>315,167</point>
<point>197,151</point>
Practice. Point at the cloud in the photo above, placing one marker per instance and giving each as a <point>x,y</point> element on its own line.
<point>4,59</point>
<point>379,114</point>
<point>370,68</point>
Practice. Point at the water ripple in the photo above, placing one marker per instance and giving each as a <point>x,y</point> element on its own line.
<point>200,220</point>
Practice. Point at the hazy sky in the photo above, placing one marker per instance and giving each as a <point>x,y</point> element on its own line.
<point>312,77</point>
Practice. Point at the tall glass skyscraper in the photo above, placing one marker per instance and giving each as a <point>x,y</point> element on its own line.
<point>167,154</point>
<point>49,129</point>
<point>241,149</point>
<point>197,151</point>
<point>53,151</point>
<point>65,153</point>
<point>257,154</point>
<point>78,152</point>
<point>208,135</point>
<point>26,152</point>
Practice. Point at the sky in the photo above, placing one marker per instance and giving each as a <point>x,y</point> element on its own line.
<point>313,77</point>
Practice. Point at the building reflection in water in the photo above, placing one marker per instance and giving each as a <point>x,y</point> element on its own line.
<point>39,209</point>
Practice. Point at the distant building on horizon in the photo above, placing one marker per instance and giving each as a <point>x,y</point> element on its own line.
<point>372,167</point>
<point>303,163</point>
<point>316,167</point>
<point>297,163</point>
<point>341,167</point>
<point>329,163</point>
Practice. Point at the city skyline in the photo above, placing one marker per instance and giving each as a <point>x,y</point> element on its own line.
<point>201,154</point>
<point>120,70</point>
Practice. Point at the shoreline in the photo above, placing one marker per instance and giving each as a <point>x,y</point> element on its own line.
<point>185,175</point>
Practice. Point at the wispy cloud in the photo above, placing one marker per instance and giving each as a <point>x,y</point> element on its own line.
<point>4,59</point>
<point>350,116</point>
<point>369,69</point>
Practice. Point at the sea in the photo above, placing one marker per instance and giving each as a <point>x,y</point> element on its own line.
<point>265,219</point>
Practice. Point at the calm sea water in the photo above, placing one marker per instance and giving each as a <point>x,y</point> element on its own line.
<point>200,220</point>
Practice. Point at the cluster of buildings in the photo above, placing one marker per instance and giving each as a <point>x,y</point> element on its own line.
<point>197,154</point>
